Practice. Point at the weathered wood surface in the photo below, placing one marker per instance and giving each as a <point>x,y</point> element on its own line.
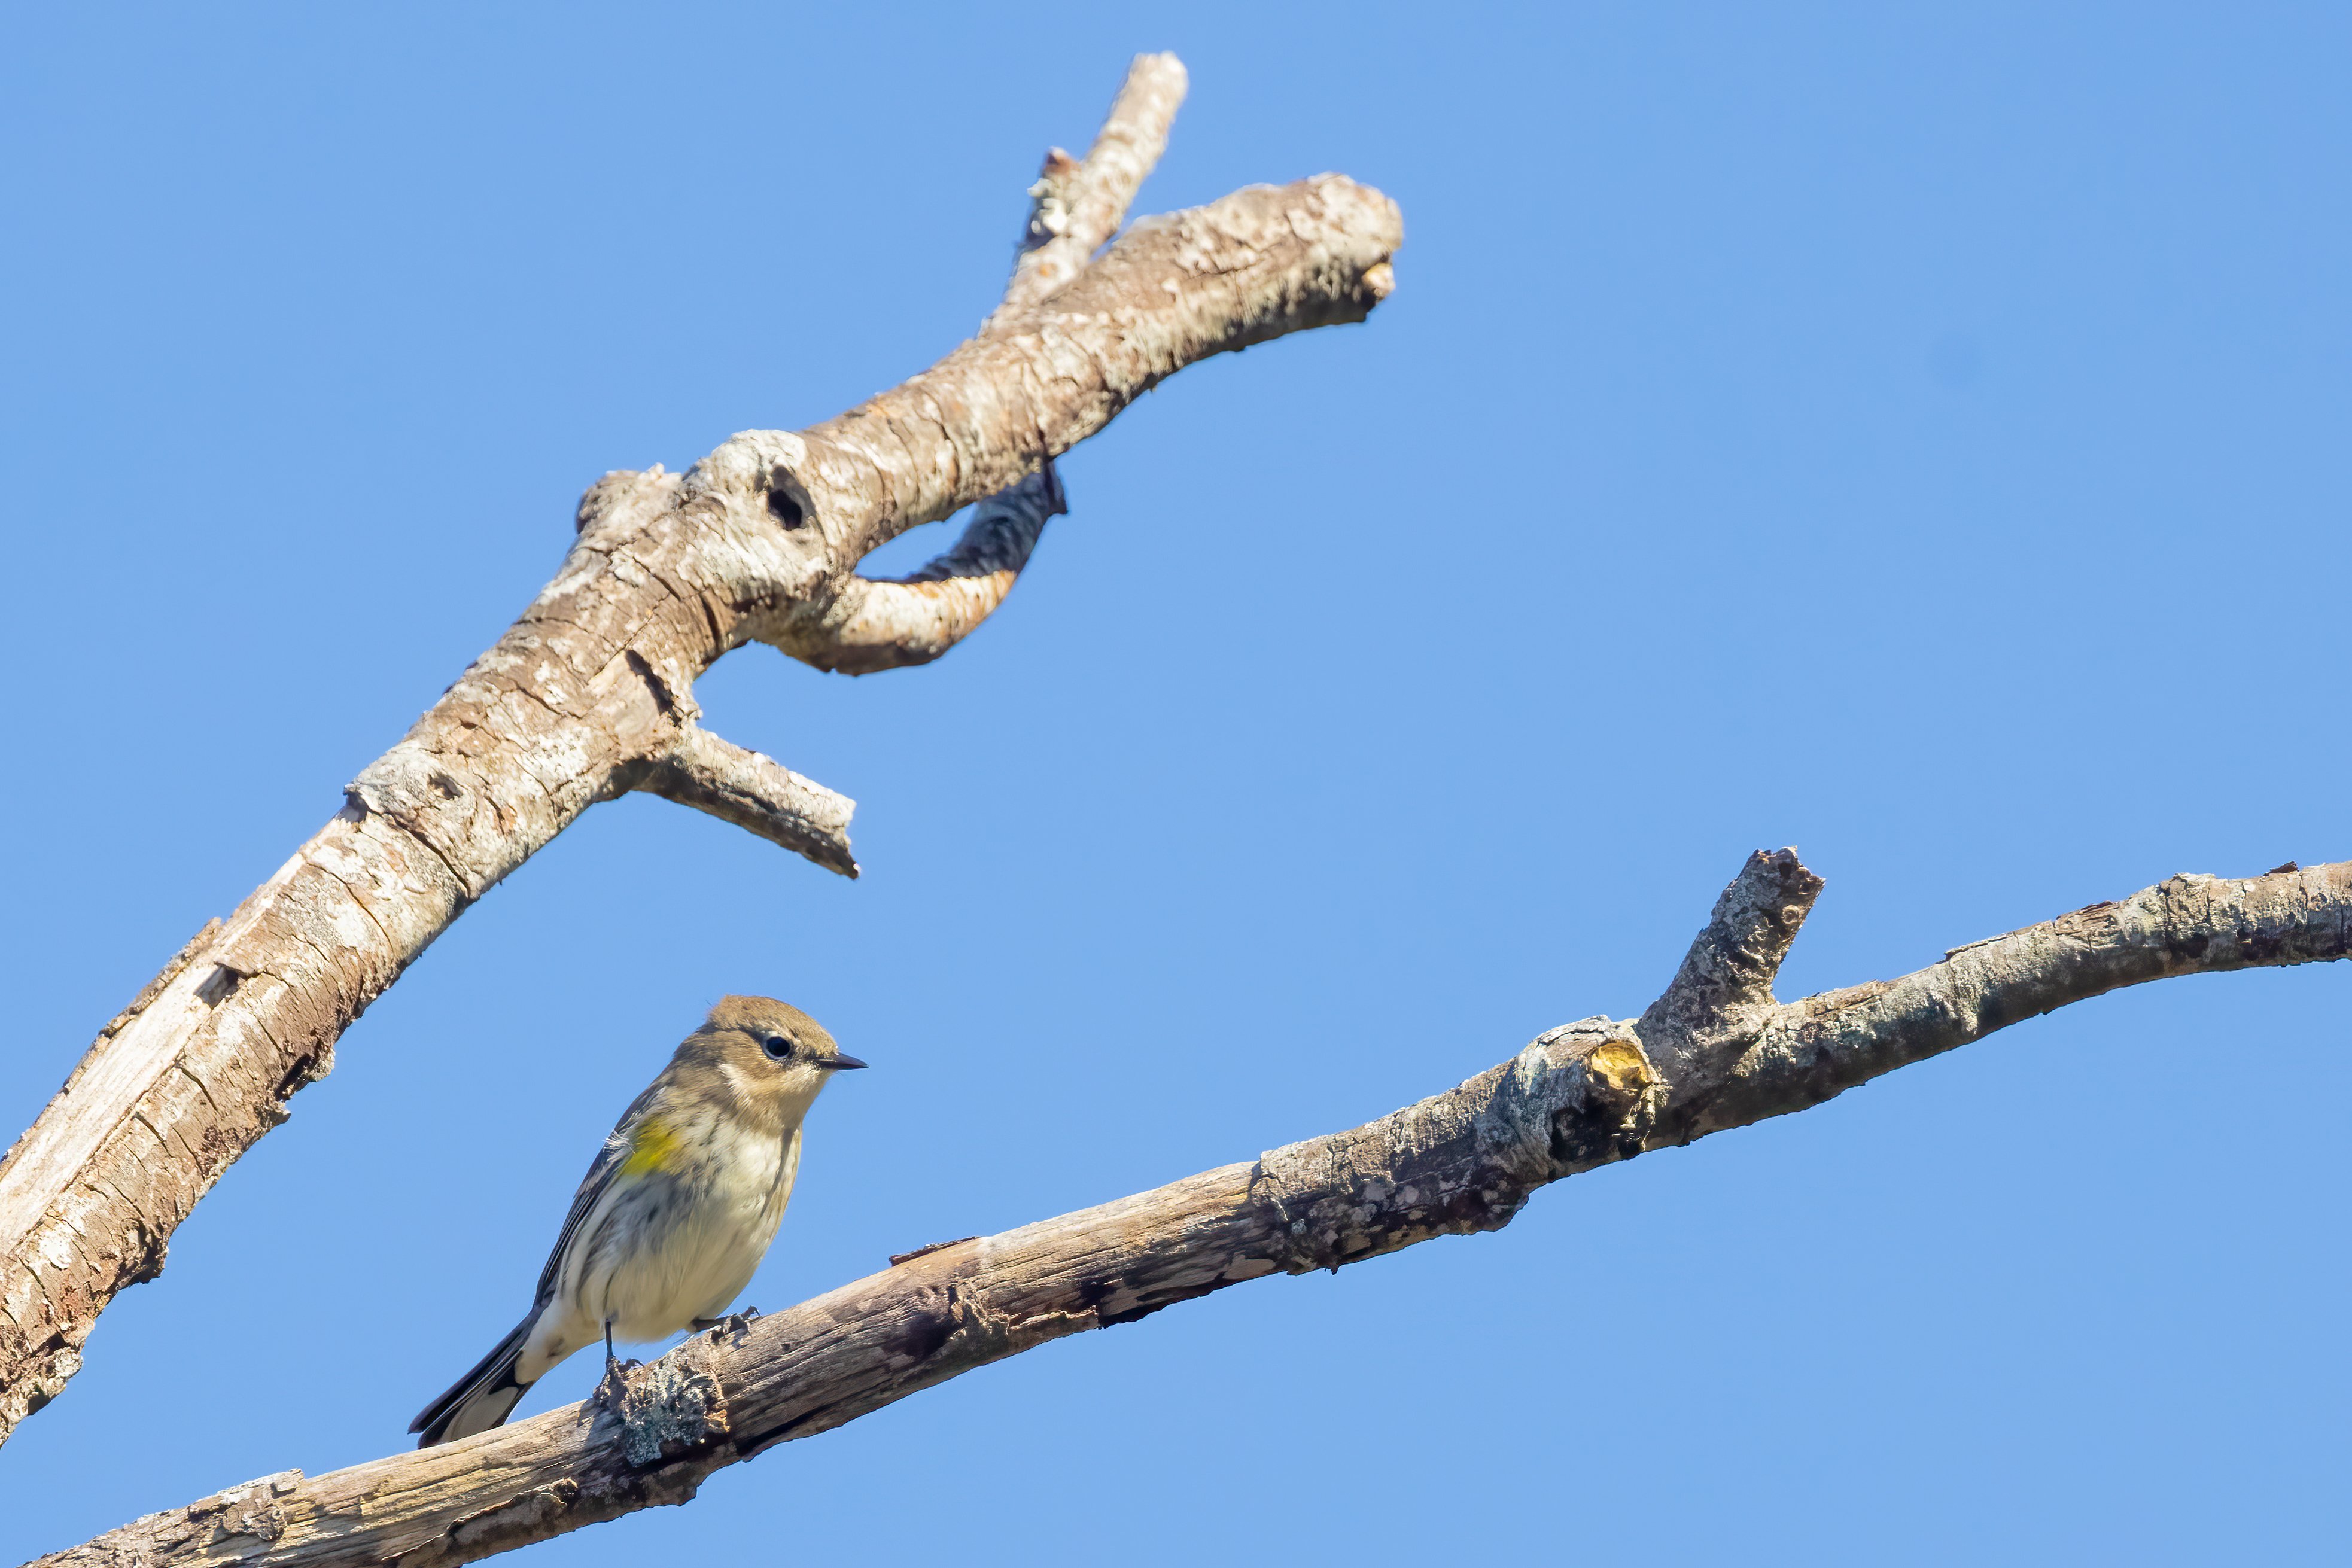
<point>1716,1051</point>
<point>590,693</point>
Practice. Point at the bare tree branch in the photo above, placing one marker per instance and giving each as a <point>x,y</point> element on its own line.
<point>875,626</point>
<point>590,693</point>
<point>912,620</point>
<point>1585,1094</point>
<point>1078,206</point>
<point>888,623</point>
<point>1725,979</point>
<point>756,794</point>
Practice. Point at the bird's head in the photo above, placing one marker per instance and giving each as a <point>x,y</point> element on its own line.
<point>774,1057</point>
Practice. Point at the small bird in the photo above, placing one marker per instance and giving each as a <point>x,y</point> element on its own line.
<point>676,1213</point>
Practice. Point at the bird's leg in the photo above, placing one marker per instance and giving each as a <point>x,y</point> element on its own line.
<point>610,1387</point>
<point>733,1322</point>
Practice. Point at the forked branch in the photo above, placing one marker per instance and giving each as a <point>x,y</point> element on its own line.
<point>1078,206</point>
<point>1715,1052</point>
<point>590,693</point>
<point>886,623</point>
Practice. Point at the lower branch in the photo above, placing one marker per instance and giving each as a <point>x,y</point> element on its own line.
<point>1582,1095</point>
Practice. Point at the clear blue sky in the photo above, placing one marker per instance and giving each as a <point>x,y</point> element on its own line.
<point>1913,433</point>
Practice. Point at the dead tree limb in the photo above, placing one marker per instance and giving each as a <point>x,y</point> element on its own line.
<point>1715,1052</point>
<point>1078,206</point>
<point>590,693</point>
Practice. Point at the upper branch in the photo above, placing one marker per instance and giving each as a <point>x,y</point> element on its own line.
<point>882,623</point>
<point>879,625</point>
<point>590,693</point>
<point>1262,262</point>
<point>1582,1095</point>
<point>1078,206</point>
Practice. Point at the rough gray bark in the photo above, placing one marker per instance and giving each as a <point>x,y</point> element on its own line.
<point>1716,1051</point>
<point>590,693</point>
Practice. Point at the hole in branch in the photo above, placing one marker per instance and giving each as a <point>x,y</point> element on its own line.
<point>786,510</point>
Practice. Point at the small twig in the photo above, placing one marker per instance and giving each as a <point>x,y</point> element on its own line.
<point>1726,978</point>
<point>890,624</point>
<point>756,793</point>
<point>1078,206</point>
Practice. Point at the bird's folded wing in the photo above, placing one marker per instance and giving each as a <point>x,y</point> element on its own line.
<point>600,1175</point>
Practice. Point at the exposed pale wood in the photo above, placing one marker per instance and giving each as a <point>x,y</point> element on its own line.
<point>1716,1051</point>
<point>590,693</point>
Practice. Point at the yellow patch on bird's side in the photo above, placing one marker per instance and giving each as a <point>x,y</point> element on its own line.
<point>650,1147</point>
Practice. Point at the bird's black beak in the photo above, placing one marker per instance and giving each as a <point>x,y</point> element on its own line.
<point>841,1062</point>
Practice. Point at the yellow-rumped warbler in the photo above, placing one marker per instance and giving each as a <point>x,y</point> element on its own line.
<point>676,1213</point>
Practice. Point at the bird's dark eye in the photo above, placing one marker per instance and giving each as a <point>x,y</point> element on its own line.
<point>777,1047</point>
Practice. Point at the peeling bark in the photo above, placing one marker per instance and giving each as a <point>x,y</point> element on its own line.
<point>590,693</point>
<point>1716,1051</point>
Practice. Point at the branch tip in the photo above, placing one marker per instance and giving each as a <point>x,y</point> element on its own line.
<point>1728,974</point>
<point>1077,204</point>
<point>757,794</point>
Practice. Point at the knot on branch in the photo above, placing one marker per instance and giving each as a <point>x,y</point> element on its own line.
<point>978,1334</point>
<point>525,1518</point>
<point>668,1408</point>
<point>623,497</point>
<point>745,462</point>
<point>764,483</point>
<point>255,1509</point>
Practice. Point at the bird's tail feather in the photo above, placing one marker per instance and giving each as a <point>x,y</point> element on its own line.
<point>481,1399</point>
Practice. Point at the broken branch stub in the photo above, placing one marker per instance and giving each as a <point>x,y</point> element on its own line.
<point>756,793</point>
<point>1725,984</point>
<point>590,693</point>
<point>1585,1094</point>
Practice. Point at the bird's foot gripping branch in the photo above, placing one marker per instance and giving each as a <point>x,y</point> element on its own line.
<point>590,693</point>
<point>1716,1051</point>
